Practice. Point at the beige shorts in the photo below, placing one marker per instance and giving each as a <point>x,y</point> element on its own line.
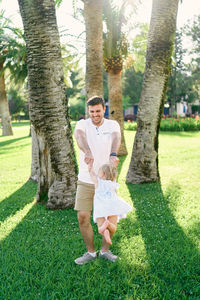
<point>84,196</point>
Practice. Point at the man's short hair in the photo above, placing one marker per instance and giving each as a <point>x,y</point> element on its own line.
<point>95,100</point>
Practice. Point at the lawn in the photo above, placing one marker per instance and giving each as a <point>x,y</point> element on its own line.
<point>158,242</point>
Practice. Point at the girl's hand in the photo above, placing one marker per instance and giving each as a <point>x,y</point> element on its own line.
<point>114,160</point>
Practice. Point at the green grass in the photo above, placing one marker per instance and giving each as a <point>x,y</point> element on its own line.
<point>158,242</point>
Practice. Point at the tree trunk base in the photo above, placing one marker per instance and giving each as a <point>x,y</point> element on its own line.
<point>59,196</point>
<point>139,178</point>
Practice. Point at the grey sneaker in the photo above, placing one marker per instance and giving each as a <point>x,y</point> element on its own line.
<point>108,255</point>
<point>84,259</point>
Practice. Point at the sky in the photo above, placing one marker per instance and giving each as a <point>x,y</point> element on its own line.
<point>187,9</point>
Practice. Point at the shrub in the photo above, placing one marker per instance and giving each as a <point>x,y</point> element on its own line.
<point>171,124</point>
<point>130,125</point>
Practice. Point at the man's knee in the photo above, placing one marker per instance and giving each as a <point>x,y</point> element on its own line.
<point>84,218</point>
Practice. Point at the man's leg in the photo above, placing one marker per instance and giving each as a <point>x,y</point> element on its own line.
<point>86,229</point>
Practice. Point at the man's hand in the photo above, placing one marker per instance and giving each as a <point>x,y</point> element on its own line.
<point>114,160</point>
<point>89,159</point>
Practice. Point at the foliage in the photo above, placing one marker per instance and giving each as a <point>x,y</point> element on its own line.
<point>76,107</point>
<point>181,81</point>
<point>77,82</point>
<point>75,93</point>
<point>13,50</point>
<point>193,31</point>
<point>70,63</point>
<point>139,47</point>
<point>172,124</point>
<point>158,242</point>
<point>132,85</point>
<point>17,103</point>
<point>115,45</point>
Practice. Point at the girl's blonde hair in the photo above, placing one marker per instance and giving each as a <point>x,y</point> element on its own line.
<point>110,171</point>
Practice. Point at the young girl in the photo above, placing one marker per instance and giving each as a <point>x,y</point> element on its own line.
<point>108,208</point>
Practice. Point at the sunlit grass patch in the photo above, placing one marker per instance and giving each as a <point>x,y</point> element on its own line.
<point>158,242</point>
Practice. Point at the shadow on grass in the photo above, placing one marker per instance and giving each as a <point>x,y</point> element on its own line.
<point>11,141</point>
<point>179,133</point>
<point>173,258</point>
<point>21,124</point>
<point>10,205</point>
<point>37,258</point>
<point>121,162</point>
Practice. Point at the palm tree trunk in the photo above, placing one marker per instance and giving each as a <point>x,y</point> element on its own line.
<point>144,161</point>
<point>48,107</point>
<point>4,108</point>
<point>94,48</point>
<point>115,105</point>
<point>35,166</point>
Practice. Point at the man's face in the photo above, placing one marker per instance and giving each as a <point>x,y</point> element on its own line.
<point>96,113</point>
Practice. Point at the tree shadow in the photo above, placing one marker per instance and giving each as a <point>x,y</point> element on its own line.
<point>11,141</point>
<point>179,133</point>
<point>10,205</point>
<point>121,162</point>
<point>173,258</point>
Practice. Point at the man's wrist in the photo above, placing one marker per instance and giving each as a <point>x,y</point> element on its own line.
<point>113,154</point>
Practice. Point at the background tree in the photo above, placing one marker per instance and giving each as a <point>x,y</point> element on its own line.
<point>94,47</point>
<point>13,54</point>
<point>144,161</point>
<point>48,105</point>
<point>76,94</point>
<point>17,104</point>
<point>115,51</point>
<point>4,108</point>
<point>134,67</point>
<point>192,30</point>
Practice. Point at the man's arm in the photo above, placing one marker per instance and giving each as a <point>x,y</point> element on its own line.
<point>83,145</point>
<point>116,141</point>
<point>92,174</point>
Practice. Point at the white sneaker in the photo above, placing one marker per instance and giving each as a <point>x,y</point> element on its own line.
<point>84,259</point>
<point>108,255</point>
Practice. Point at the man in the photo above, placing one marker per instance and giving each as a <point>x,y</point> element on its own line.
<point>98,140</point>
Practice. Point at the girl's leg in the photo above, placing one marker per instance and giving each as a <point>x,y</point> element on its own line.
<point>106,234</point>
<point>112,226</point>
<point>102,228</point>
<point>102,224</point>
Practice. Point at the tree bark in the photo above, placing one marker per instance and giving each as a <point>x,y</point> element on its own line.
<point>94,48</point>
<point>144,162</point>
<point>48,107</point>
<point>115,105</point>
<point>4,107</point>
<point>35,165</point>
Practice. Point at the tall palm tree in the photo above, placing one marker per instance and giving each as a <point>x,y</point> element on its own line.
<point>48,105</point>
<point>115,51</point>
<point>12,58</point>
<point>4,108</point>
<point>94,47</point>
<point>144,161</point>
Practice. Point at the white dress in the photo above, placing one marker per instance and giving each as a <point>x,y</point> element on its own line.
<point>107,202</point>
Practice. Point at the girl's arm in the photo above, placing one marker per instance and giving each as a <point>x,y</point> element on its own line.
<point>93,174</point>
